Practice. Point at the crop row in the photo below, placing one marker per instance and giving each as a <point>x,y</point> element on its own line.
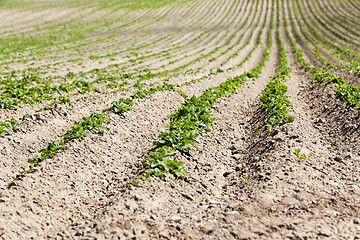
<point>95,121</point>
<point>25,93</point>
<point>195,115</point>
<point>345,92</point>
<point>132,49</point>
<point>335,22</point>
<point>355,66</point>
<point>192,119</point>
<point>118,107</point>
<point>275,98</point>
<point>22,93</point>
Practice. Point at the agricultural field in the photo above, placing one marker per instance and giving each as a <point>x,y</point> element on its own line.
<point>180,119</point>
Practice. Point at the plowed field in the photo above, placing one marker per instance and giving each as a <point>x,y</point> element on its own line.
<point>180,119</point>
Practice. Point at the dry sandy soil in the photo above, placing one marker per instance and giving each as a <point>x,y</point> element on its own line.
<point>242,183</point>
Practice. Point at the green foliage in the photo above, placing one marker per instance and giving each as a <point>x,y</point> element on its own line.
<point>275,98</point>
<point>121,106</point>
<point>350,94</point>
<point>344,92</point>
<point>125,104</point>
<point>300,155</point>
<point>276,101</point>
<point>49,152</point>
<point>134,184</point>
<point>321,76</point>
<point>191,120</point>
<point>93,124</point>
<point>354,67</point>
<point>188,122</point>
<point>61,100</point>
<point>8,126</point>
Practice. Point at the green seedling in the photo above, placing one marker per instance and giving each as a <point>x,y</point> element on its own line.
<point>245,177</point>
<point>254,133</point>
<point>301,156</point>
<point>134,184</point>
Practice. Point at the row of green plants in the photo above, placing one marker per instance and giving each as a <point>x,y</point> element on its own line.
<point>242,35</point>
<point>30,88</point>
<point>192,119</point>
<point>26,95</point>
<point>349,10</point>
<point>209,54</point>
<point>258,43</point>
<point>77,41</point>
<point>50,35</point>
<point>335,35</point>
<point>275,99</point>
<point>346,92</point>
<point>103,77</point>
<point>336,11</point>
<point>182,67</point>
<point>237,43</point>
<point>95,123</point>
<point>355,66</point>
<point>107,56</point>
<point>212,7</point>
<point>335,22</point>
<point>317,53</point>
<point>167,54</point>
<point>119,107</point>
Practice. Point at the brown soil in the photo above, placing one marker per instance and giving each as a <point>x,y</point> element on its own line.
<point>243,182</point>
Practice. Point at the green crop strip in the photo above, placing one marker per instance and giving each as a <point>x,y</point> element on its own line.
<point>26,96</point>
<point>337,12</point>
<point>44,40</point>
<point>247,43</point>
<point>355,66</point>
<point>205,55</point>
<point>192,119</point>
<point>247,57</point>
<point>102,78</point>
<point>125,104</point>
<point>317,53</point>
<point>72,29</point>
<point>275,98</point>
<point>347,93</point>
<point>188,122</point>
<point>255,47</point>
<point>242,35</point>
<point>349,10</point>
<point>335,22</point>
<point>202,56</point>
<point>92,124</point>
<point>316,19</point>
<point>347,16</point>
<point>19,90</point>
